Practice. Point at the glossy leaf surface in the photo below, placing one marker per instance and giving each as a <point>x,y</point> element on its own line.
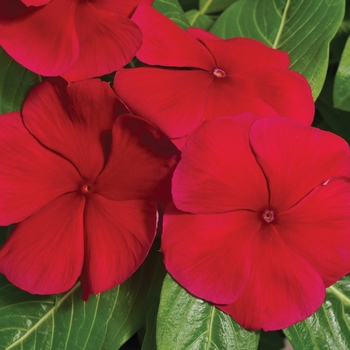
<point>65,321</point>
<point>329,327</point>
<point>185,322</point>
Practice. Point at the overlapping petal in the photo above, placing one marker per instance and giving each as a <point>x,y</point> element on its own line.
<point>225,97</point>
<point>318,229</point>
<point>49,51</point>
<point>201,34</point>
<point>298,157</point>
<point>238,55</point>
<point>31,176</point>
<point>216,163</point>
<point>118,236</point>
<point>198,252</point>
<point>106,44</point>
<point>72,120</point>
<point>122,8</point>
<point>282,289</point>
<point>141,162</point>
<point>35,2</point>
<point>176,101</point>
<point>288,92</point>
<point>44,253</point>
<point>166,44</point>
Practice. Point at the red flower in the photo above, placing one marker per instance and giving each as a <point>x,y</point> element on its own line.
<point>83,187</point>
<point>73,38</point>
<point>262,219</point>
<point>206,77</point>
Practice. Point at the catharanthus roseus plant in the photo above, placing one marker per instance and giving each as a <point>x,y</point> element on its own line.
<point>263,205</point>
<point>68,175</point>
<point>202,77</point>
<point>73,38</point>
<point>252,219</point>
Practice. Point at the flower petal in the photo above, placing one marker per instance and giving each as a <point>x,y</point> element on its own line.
<point>286,91</point>
<point>166,44</point>
<point>176,101</point>
<point>30,175</point>
<point>107,42</point>
<point>35,2</point>
<point>209,255</point>
<point>118,238</point>
<point>201,34</point>
<point>122,8</point>
<point>283,288</point>
<point>141,163</point>
<point>238,55</point>
<point>218,171</point>
<point>72,120</point>
<point>225,98</point>
<point>44,253</point>
<point>44,40</point>
<point>318,229</point>
<point>296,158</point>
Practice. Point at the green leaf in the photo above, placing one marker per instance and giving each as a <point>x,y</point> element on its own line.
<point>212,6</point>
<point>15,82</point>
<point>4,233</point>
<point>149,340</point>
<point>189,4</point>
<point>173,10</point>
<point>336,119</point>
<point>65,321</point>
<point>271,341</point>
<point>341,92</point>
<point>303,28</point>
<point>198,20</point>
<point>185,322</point>
<point>329,327</point>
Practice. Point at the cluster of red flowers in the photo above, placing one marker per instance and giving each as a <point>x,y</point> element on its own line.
<point>257,202</point>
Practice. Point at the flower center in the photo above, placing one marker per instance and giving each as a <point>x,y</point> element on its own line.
<point>268,216</point>
<point>85,189</point>
<point>219,73</point>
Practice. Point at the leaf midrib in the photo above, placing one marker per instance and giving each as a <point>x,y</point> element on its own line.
<point>281,27</point>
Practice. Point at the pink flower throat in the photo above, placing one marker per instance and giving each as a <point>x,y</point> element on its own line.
<point>268,216</point>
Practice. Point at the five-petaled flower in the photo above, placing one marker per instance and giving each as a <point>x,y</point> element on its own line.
<point>83,186</point>
<point>261,219</point>
<point>73,38</point>
<point>200,76</point>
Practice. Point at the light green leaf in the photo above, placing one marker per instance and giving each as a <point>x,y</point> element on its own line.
<point>341,92</point>
<point>15,82</point>
<point>329,327</point>
<point>65,321</point>
<point>173,10</point>
<point>303,28</point>
<point>198,20</point>
<point>212,6</point>
<point>187,323</point>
